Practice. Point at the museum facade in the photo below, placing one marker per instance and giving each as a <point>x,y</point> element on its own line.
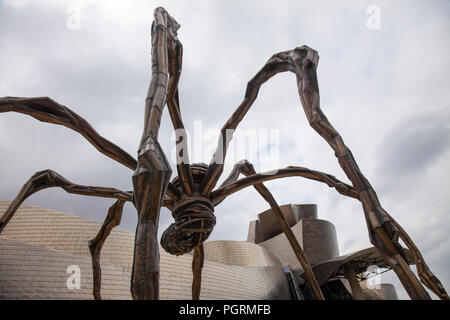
<point>41,250</point>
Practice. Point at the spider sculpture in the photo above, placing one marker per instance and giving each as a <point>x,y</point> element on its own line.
<point>191,196</point>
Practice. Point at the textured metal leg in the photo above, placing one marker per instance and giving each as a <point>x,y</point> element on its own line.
<point>175,56</point>
<point>95,245</point>
<point>382,233</point>
<point>150,182</point>
<point>197,266</point>
<point>47,110</point>
<point>232,184</point>
<point>49,179</point>
<point>151,178</point>
<point>247,169</point>
<point>426,276</point>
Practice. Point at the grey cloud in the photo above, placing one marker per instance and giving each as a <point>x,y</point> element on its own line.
<point>411,146</point>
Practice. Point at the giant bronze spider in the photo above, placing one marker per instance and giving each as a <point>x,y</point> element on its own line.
<point>191,196</point>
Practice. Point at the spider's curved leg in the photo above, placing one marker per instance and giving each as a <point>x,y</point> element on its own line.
<point>426,276</point>
<point>197,266</point>
<point>47,110</point>
<point>151,178</point>
<point>49,179</point>
<point>302,61</point>
<point>95,245</point>
<point>150,181</point>
<point>232,184</point>
<point>175,59</point>
<point>382,232</point>
<point>247,169</point>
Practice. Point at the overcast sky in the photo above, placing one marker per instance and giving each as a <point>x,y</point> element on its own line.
<point>386,90</point>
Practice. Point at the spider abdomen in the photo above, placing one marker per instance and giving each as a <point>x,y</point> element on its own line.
<point>194,222</point>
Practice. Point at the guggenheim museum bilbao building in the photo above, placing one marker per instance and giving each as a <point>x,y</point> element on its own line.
<point>41,248</point>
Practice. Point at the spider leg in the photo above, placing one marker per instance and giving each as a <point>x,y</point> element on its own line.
<point>150,181</point>
<point>172,192</point>
<point>47,110</point>
<point>302,61</point>
<point>382,232</point>
<point>247,169</point>
<point>175,56</point>
<point>95,245</point>
<point>232,184</point>
<point>426,276</point>
<point>151,178</point>
<point>197,266</point>
<point>49,179</point>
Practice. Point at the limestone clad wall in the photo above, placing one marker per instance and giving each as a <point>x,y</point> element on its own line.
<point>66,232</point>
<point>239,253</point>
<point>36,272</point>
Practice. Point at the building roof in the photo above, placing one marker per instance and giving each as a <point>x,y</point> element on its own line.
<point>360,260</point>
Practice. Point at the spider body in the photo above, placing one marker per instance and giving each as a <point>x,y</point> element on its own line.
<point>193,214</point>
<point>191,195</point>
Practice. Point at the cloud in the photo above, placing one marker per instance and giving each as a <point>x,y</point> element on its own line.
<point>411,147</point>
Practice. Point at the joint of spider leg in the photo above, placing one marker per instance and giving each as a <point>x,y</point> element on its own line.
<point>193,214</point>
<point>316,119</point>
